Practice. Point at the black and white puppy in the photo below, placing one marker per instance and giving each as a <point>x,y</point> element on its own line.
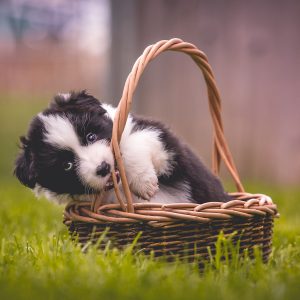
<point>66,155</point>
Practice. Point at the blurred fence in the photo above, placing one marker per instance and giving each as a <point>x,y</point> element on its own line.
<point>254,49</point>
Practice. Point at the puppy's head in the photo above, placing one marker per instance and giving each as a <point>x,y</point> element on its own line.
<point>66,151</point>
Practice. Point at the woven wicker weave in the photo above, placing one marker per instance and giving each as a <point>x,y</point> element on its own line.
<point>184,230</point>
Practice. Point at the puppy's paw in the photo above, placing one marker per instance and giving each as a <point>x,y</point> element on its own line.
<point>145,186</point>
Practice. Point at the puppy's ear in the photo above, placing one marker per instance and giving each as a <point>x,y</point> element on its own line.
<point>76,102</point>
<point>24,169</point>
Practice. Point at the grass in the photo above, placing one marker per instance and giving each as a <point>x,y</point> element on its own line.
<point>38,260</point>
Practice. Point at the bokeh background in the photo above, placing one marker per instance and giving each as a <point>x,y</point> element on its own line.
<point>253,46</point>
<point>55,46</point>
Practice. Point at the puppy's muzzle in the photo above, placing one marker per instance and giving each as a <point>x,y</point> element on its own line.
<point>103,169</point>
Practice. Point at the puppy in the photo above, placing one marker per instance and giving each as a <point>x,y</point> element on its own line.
<point>66,155</point>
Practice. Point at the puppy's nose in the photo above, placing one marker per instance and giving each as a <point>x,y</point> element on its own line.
<point>103,169</point>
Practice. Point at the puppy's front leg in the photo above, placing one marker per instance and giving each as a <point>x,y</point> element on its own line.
<point>141,174</point>
<point>144,185</point>
<point>140,153</point>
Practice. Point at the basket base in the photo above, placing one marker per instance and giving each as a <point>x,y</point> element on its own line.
<point>188,241</point>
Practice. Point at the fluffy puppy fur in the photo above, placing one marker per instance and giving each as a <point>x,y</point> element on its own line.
<point>66,155</point>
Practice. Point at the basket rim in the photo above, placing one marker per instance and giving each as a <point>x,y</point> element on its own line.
<point>244,205</point>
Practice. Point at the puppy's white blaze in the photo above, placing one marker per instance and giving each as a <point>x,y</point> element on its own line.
<point>89,158</point>
<point>60,132</point>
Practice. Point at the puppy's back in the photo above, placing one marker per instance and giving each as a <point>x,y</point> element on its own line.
<point>187,169</point>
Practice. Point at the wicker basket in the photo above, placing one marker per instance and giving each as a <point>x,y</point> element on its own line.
<point>184,230</point>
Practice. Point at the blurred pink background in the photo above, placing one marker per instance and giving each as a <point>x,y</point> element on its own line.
<point>253,48</point>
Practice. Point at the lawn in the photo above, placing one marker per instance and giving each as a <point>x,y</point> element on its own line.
<point>38,260</point>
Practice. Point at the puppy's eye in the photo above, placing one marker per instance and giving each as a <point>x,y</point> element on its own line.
<point>67,166</point>
<point>91,137</point>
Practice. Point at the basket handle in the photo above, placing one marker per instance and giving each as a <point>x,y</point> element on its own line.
<point>220,147</point>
